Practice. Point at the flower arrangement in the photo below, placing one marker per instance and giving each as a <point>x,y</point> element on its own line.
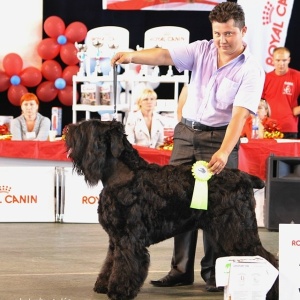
<point>64,132</point>
<point>168,143</point>
<point>271,129</point>
<point>4,132</point>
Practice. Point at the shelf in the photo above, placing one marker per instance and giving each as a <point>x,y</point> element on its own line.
<point>169,105</point>
<point>96,108</point>
<point>136,78</point>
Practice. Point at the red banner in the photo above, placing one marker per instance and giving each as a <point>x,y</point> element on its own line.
<point>205,5</point>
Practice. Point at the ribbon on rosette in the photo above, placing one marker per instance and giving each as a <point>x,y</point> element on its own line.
<point>200,193</point>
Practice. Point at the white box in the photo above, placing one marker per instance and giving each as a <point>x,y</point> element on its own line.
<point>105,92</point>
<point>245,277</point>
<point>56,119</point>
<point>89,94</point>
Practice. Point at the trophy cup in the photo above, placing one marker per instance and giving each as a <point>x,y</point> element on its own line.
<point>81,55</point>
<point>97,43</point>
<point>170,71</point>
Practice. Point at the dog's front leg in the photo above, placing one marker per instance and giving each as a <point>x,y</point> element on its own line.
<point>101,285</point>
<point>130,269</point>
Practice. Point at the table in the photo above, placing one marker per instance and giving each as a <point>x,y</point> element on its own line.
<point>252,159</point>
<point>254,154</point>
<point>56,151</point>
<point>65,197</point>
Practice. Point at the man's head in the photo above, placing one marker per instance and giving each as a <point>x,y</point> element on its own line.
<point>281,60</point>
<point>226,11</point>
<point>228,28</point>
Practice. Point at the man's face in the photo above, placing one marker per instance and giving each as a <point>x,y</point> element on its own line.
<point>281,60</point>
<point>228,38</point>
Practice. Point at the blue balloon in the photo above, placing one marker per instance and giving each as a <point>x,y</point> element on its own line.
<point>60,83</point>
<point>61,39</point>
<point>15,80</point>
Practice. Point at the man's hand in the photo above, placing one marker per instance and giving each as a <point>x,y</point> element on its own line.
<point>218,162</point>
<point>121,58</point>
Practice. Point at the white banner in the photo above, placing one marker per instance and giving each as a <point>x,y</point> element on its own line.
<point>204,5</point>
<point>81,201</point>
<point>27,194</point>
<point>289,261</point>
<point>267,22</point>
<point>20,33</point>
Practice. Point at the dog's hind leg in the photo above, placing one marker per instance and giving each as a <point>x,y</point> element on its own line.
<point>103,277</point>
<point>235,233</point>
<point>130,270</point>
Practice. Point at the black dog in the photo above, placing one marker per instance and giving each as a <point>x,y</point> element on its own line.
<point>142,204</point>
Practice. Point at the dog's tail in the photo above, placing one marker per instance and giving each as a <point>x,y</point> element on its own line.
<point>257,183</point>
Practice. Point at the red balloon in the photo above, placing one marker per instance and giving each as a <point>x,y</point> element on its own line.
<point>65,96</point>
<point>68,54</point>
<point>46,91</point>
<point>31,76</point>
<point>12,64</point>
<point>51,70</point>
<point>76,32</point>
<point>54,26</point>
<point>4,81</point>
<point>15,92</point>
<point>68,73</point>
<point>48,48</point>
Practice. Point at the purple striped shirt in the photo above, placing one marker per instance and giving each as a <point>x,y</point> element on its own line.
<point>213,92</point>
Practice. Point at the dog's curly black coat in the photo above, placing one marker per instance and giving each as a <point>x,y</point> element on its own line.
<point>142,204</point>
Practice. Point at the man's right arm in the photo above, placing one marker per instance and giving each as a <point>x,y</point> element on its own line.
<point>152,57</point>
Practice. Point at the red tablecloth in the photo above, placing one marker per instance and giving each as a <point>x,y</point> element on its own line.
<point>57,151</point>
<point>254,154</point>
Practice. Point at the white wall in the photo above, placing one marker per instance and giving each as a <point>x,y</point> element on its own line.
<point>21,24</point>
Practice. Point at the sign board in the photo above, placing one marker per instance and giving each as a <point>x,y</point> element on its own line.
<point>289,261</point>
<point>80,200</point>
<point>27,194</point>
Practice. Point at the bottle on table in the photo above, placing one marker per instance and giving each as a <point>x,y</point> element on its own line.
<point>255,126</point>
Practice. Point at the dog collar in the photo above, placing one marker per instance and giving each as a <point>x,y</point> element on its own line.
<point>200,193</point>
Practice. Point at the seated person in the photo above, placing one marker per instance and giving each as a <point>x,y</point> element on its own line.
<point>263,112</point>
<point>30,125</point>
<point>145,127</point>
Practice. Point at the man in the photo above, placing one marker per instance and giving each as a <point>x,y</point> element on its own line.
<point>226,83</point>
<point>282,90</point>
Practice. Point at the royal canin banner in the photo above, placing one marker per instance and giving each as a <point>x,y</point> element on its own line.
<point>267,22</point>
<point>205,5</point>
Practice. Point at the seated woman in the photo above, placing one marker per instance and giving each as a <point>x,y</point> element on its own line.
<point>30,125</point>
<point>263,111</point>
<point>145,127</point>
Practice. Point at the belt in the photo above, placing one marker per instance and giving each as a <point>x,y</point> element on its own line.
<point>200,127</point>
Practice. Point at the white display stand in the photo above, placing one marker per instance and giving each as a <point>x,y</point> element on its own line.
<point>27,194</point>
<point>116,39</point>
<point>80,201</point>
<point>166,37</point>
<point>289,261</point>
<point>112,39</point>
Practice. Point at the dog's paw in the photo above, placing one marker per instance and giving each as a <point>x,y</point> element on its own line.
<point>100,288</point>
<point>120,296</point>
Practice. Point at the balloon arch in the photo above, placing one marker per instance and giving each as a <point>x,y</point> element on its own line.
<point>57,81</point>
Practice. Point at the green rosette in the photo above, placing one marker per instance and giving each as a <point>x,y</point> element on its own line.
<point>200,193</point>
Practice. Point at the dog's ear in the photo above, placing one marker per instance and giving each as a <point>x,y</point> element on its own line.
<point>116,139</point>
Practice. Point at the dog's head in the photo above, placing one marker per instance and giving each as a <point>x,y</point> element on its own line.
<point>91,144</point>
